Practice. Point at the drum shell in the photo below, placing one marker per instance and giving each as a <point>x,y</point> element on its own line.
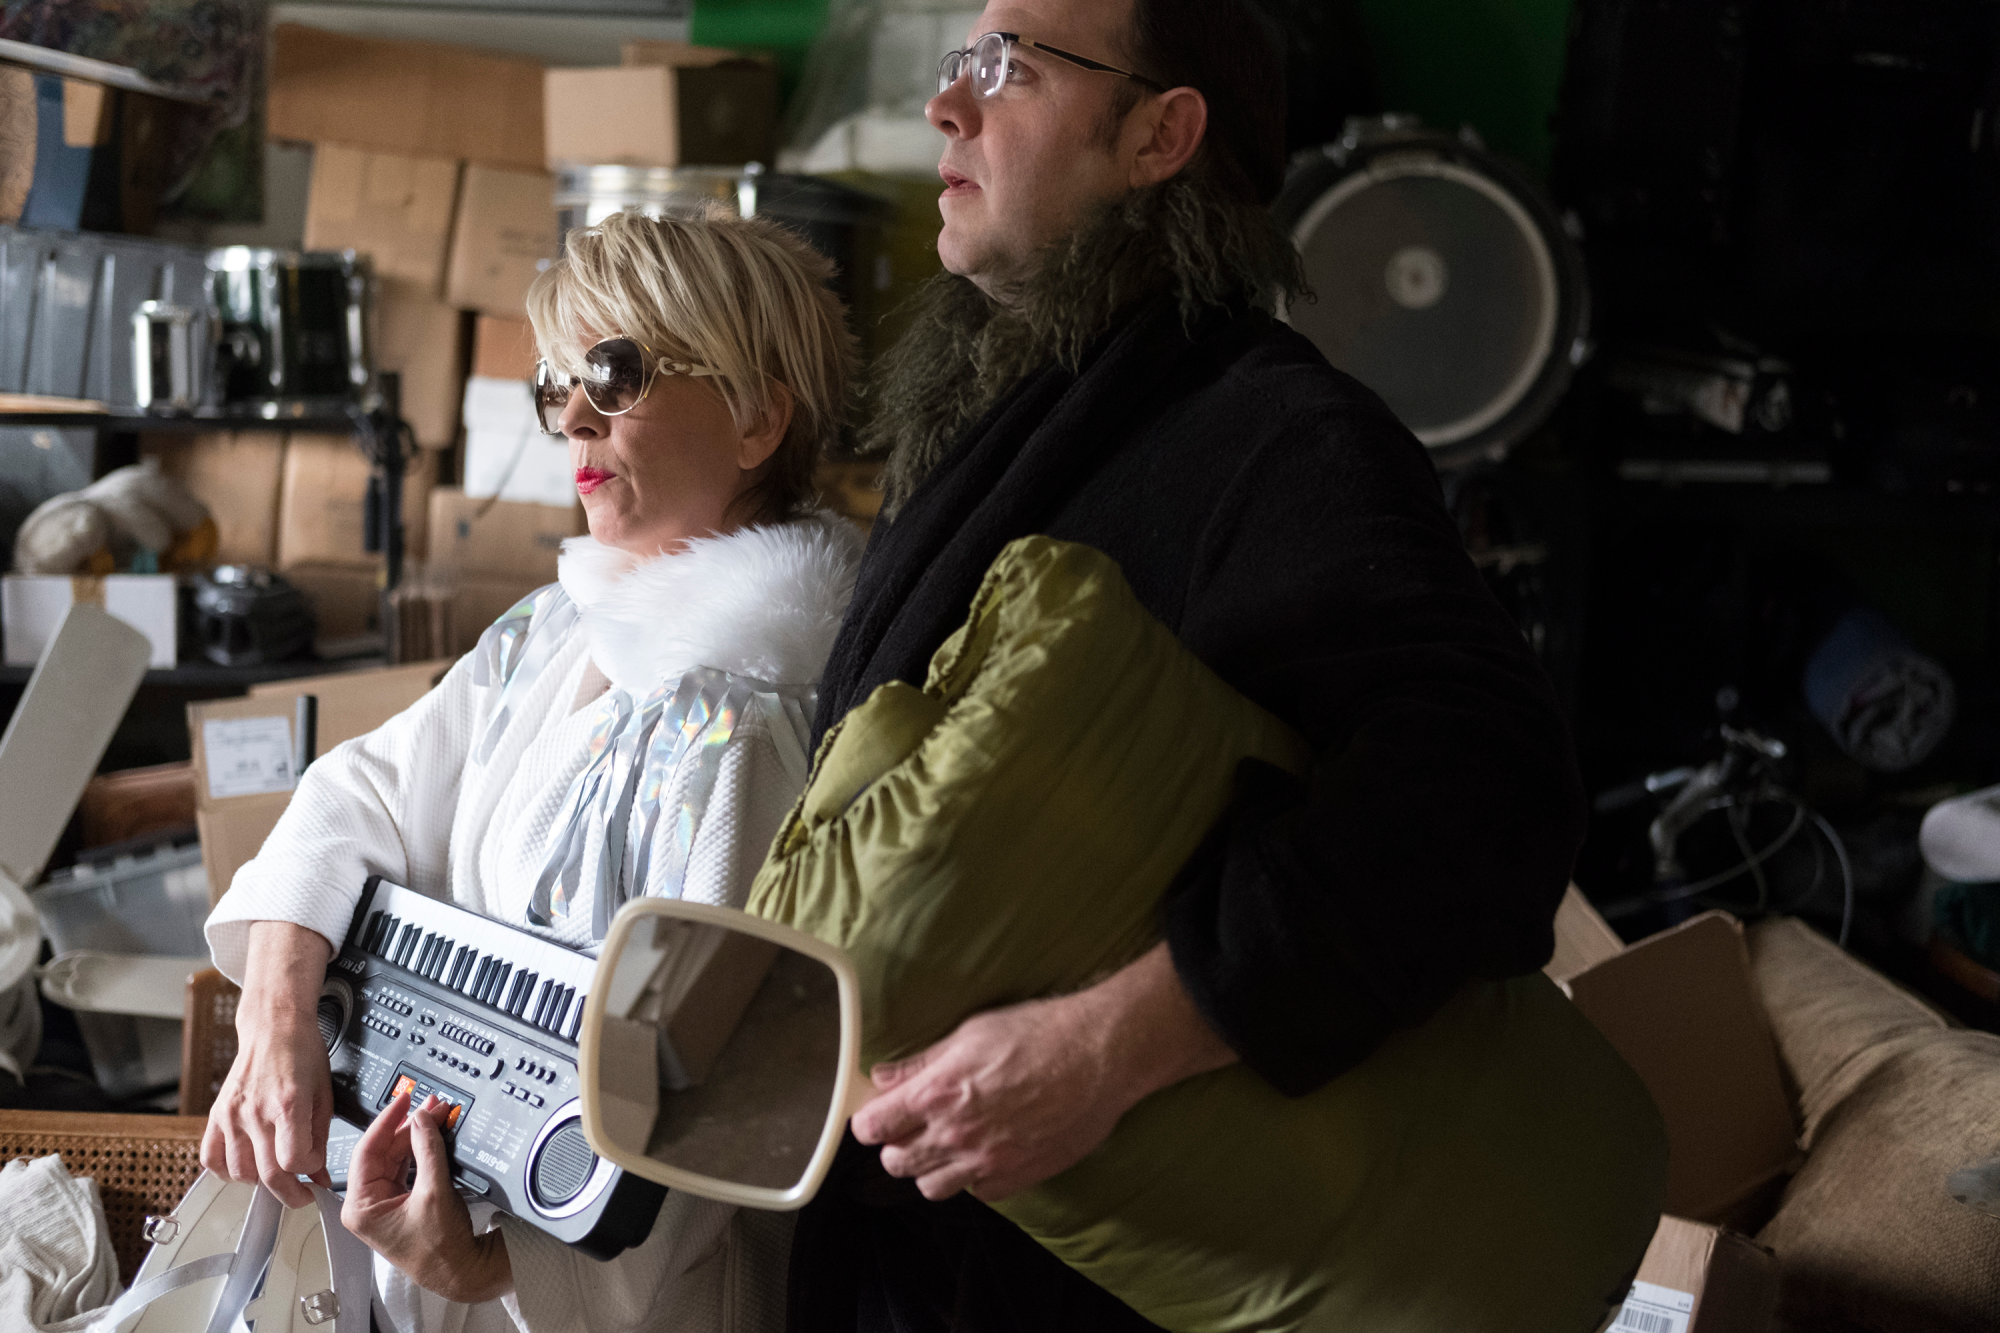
<point>845,225</point>
<point>294,328</point>
<point>1388,153</point>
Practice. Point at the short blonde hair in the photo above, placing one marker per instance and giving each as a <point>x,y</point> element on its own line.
<point>742,295</point>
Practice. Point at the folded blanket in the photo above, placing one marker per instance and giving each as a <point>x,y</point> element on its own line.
<point>57,1267</point>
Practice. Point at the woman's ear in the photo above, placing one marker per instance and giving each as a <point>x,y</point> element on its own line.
<point>768,431</point>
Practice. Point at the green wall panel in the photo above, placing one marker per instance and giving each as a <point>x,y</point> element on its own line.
<point>1493,64</point>
<point>784,28</point>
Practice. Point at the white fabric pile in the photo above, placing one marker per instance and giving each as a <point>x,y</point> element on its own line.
<point>57,1268</point>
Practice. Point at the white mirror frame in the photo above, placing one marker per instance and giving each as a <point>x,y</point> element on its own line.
<point>851,1087</point>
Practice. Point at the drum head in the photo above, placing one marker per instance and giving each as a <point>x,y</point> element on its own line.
<point>1439,284</point>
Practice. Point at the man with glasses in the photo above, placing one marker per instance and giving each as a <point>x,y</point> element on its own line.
<point>1099,365</point>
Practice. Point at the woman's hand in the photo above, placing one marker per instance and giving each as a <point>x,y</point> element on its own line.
<point>423,1230</point>
<point>269,1121</point>
<point>1016,1095</point>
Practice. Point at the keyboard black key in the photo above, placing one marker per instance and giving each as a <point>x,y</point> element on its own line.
<point>497,987</point>
<point>514,991</point>
<point>559,1009</point>
<point>411,934</point>
<point>443,959</point>
<point>542,1002</point>
<point>425,951</point>
<point>576,1019</point>
<point>457,973</point>
<point>527,994</point>
<point>369,931</point>
<point>479,975</point>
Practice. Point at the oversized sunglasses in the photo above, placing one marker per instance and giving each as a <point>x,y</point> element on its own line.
<point>618,373</point>
<point>990,59</point>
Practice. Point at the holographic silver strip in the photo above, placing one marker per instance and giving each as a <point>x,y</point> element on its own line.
<point>509,656</point>
<point>639,752</point>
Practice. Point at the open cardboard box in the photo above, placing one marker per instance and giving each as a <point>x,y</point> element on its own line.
<point>1681,1009</point>
<point>244,751</point>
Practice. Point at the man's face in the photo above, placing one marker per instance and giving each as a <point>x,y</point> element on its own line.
<point>1021,167</point>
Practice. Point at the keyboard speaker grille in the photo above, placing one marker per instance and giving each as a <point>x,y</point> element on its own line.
<point>562,1168</point>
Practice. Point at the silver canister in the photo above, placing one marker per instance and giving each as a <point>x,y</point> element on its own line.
<point>173,356</point>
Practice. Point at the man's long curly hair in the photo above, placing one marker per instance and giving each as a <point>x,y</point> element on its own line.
<point>964,350</point>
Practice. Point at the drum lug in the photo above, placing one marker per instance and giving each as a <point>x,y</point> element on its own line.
<point>320,1307</point>
<point>160,1230</point>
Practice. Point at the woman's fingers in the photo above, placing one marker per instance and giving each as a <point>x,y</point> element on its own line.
<point>427,1143</point>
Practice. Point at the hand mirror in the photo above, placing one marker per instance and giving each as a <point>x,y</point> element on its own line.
<point>718,1053</point>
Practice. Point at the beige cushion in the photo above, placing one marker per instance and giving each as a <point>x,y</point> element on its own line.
<point>1893,1099</point>
<point>1835,1019</point>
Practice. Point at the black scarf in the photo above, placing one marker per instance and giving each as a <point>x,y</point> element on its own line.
<point>1006,479</point>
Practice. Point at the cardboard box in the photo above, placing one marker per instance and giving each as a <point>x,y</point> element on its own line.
<point>32,607</point>
<point>393,208</point>
<point>420,98</point>
<point>354,703</point>
<point>347,602</point>
<point>498,539</point>
<point>263,750</point>
<point>237,474</point>
<point>477,602</point>
<point>134,802</point>
<point>503,349</point>
<point>662,115</point>
<point>422,338</point>
<point>323,501</point>
<point>1701,1279</point>
<point>505,235</point>
<point>1681,1008</point>
<point>506,454</point>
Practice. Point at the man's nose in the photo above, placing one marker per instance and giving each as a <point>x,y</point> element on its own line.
<point>955,111</point>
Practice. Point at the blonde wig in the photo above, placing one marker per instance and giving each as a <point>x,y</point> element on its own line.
<point>741,295</point>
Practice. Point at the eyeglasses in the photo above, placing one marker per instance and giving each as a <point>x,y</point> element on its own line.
<point>617,375</point>
<point>991,60</point>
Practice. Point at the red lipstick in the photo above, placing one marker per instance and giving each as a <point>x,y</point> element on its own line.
<point>589,479</point>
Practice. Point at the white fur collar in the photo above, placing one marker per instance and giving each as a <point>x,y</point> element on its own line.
<point>764,602</point>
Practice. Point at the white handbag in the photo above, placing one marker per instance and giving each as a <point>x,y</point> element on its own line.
<point>232,1256</point>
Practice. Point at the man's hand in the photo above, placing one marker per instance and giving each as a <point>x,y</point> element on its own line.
<point>1017,1095</point>
<point>423,1230</point>
<point>270,1119</point>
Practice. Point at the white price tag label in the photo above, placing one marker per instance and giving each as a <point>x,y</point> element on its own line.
<point>248,756</point>
<point>1654,1309</point>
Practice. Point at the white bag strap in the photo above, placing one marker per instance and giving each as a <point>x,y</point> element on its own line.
<point>353,1266</point>
<point>242,1268</point>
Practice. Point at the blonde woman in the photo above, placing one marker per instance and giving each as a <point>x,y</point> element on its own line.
<point>696,369</point>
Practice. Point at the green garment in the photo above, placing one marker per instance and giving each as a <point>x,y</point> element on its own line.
<point>1007,832</point>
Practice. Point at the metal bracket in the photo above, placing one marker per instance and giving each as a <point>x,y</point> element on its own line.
<point>160,1230</point>
<point>320,1307</point>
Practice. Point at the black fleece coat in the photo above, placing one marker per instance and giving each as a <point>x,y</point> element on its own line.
<point>1274,514</point>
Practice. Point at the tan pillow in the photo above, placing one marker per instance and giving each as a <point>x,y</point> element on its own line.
<point>1866,1236</point>
<point>1835,1018</point>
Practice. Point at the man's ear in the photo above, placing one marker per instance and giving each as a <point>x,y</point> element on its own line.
<point>767,432</point>
<point>1176,121</point>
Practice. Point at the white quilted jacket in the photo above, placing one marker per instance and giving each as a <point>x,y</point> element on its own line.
<point>410,802</point>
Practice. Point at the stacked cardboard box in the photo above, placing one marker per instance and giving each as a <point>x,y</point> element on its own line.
<point>492,552</point>
<point>236,814</point>
<point>322,517</point>
<point>668,104</point>
<point>1681,1008</point>
<point>428,159</point>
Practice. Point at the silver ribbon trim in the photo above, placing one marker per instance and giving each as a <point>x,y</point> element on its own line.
<point>639,752</point>
<point>509,656</point>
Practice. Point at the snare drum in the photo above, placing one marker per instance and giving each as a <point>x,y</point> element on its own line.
<point>1442,279</point>
<point>294,327</point>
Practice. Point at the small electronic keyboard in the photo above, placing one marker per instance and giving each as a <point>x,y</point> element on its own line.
<point>433,999</point>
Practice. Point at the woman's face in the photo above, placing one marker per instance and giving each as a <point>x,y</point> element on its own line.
<point>672,468</point>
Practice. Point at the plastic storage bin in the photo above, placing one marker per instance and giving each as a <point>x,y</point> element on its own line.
<point>152,903</point>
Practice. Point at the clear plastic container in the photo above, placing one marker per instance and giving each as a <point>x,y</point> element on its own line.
<point>152,903</point>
